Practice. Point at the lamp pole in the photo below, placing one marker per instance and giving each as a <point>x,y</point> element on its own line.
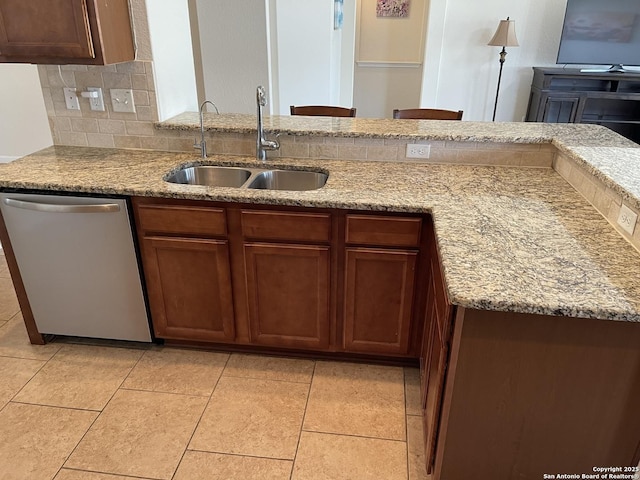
<point>503,56</point>
<point>505,36</point>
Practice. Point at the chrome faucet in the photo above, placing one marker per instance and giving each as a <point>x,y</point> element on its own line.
<point>202,146</point>
<point>262,144</point>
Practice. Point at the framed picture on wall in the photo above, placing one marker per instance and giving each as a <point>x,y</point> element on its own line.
<point>392,8</point>
<point>337,14</point>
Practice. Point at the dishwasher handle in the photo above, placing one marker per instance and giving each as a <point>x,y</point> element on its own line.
<point>54,208</point>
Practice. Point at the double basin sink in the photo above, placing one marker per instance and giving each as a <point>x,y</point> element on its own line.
<point>254,178</point>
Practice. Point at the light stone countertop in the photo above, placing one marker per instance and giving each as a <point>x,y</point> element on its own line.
<point>610,157</point>
<point>511,239</point>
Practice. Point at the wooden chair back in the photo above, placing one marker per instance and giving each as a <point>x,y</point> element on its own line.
<point>323,111</point>
<point>428,114</point>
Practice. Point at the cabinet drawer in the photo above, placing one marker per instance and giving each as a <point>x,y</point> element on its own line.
<point>268,225</point>
<point>183,220</point>
<point>383,230</point>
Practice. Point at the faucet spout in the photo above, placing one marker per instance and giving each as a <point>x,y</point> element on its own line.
<point>262,144</point>
<point>202,146</point>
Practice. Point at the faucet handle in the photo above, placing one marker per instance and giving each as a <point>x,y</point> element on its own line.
<point>261,96</point>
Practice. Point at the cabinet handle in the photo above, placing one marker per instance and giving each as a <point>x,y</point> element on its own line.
<point>53,208</point>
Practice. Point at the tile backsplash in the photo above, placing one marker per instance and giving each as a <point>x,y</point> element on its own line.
<point>603,198</point>
<point>86,127</point>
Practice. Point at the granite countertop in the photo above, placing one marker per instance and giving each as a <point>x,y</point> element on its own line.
<point>511,239</point>
<point>607,155</point>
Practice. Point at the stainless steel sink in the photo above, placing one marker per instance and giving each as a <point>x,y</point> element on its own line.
<point>288,180</point>
<point>255,178</point>
<point>211,176</point>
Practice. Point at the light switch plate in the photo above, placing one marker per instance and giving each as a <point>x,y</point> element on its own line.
<point>71,99</point>
<point>122,100</point>
<point>627,219</point>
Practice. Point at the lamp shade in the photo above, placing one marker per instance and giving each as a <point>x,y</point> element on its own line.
<point>505,35</point>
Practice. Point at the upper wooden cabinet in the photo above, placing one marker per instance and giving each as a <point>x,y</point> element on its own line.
<point>94,32</point>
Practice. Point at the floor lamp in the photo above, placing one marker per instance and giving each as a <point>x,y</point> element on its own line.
<point>505,36</point>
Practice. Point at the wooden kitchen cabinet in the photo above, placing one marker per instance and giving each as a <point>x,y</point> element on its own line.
<point>189,287</point>
<point>434,353</point>
<point>289,292</point>
<point>185,255</point>
<point>94,32</point>
<point>303,279</point>
<point>287,259</point>
<point>380,279</point>
<point>379,295</point>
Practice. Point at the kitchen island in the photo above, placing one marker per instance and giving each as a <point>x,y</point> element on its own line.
<point>545,293</point>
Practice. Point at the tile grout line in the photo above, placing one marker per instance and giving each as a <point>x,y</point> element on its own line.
<point>356,436</point>
<point>77,409</point>
<point>406,422</point>
<point>241,455</point>
<point>100,473</point>
<point>99,413</point>
<point>304,415</point>
<point>186,448</point>
<point>32,376</point>
<point>269,379</point>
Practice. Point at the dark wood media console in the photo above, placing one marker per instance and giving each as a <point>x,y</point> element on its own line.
<point>562,95</point>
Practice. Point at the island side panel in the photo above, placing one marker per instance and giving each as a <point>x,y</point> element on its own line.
<point>35,337</point>
<point>533,394</point>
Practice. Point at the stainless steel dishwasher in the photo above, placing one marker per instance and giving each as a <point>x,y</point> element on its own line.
<point>78,264</point>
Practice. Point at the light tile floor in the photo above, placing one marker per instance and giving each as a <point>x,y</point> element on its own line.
<point>78,411</point>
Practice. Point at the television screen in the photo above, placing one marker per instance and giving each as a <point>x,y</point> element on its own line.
<point>601,32</point>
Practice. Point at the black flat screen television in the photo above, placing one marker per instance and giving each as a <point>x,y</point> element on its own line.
<point>601,32</point>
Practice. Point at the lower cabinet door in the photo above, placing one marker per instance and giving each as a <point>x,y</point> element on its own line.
<point>435,385</point>
<point>288,288</point>
<point>425,352</point>
<point>189,288</point>
<point>560,109</point>
<point>379,285</point>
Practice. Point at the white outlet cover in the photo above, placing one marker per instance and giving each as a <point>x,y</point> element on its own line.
<point>122,100</point>
<point>627,219</point>
<point>416,150</point>
<point>96,104</point>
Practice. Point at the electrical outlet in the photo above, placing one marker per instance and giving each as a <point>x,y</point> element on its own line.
<point>627,219</point>
<point>122,100</point>
<point>71,99</point>
<point>416,150</point>
<point>96,103</point>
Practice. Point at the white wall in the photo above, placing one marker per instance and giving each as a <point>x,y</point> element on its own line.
<point>288,46</point>
<point>461,71</point>
<point>24,127</point>
<point>172,57</point>
<point>233,44</point>
<point>305,51</point>
<point>389,56</point>
<point>347,60</point>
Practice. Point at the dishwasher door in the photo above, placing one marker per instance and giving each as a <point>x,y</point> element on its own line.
<point>78,265</point>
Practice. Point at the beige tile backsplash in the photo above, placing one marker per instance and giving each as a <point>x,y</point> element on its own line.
<point>93,128</point>
<point>136,130</point>
<point>603,198</point>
